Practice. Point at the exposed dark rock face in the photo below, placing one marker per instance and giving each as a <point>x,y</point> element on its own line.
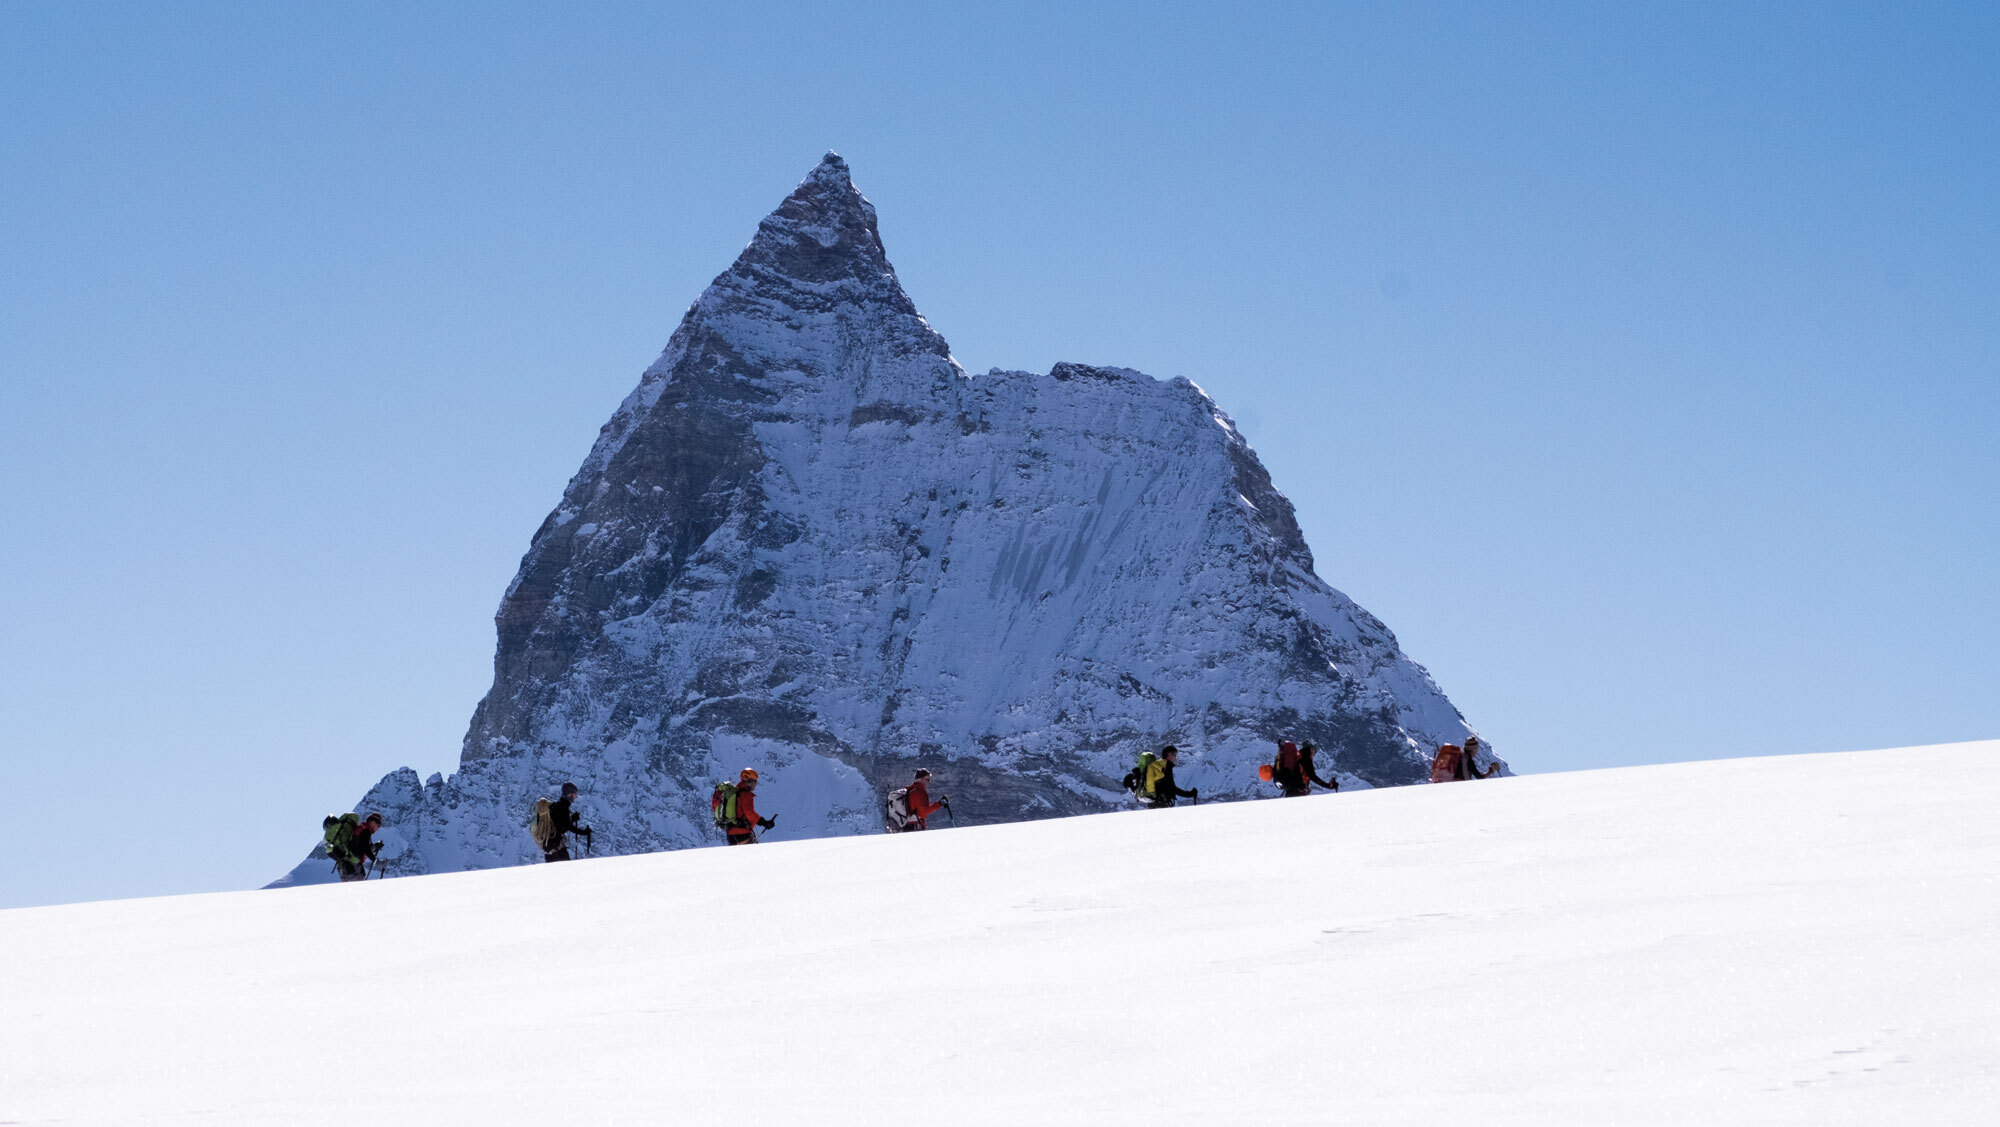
<point>810,543</point>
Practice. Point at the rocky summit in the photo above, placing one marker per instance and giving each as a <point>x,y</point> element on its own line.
<point>810,543</point>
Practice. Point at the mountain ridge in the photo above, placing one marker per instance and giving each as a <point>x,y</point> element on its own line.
<point>808,541</point>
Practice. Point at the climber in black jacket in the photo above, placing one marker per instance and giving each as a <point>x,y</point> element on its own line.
<point>1166,790</point>
<point>562,823</point>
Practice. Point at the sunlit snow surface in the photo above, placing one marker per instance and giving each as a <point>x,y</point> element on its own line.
<point>1796,940</point>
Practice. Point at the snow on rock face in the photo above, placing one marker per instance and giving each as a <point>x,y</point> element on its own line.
<point>810,543</point>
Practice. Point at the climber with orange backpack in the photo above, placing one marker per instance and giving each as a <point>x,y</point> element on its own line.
<point>1289,770</point>
<point>1472,770</point>
<point>1454,764</point>
<point>734,807</point>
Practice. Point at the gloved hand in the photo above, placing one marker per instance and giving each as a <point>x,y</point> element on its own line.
<point>944,800</point>
<point>374,849</point>
<point>767,823</point>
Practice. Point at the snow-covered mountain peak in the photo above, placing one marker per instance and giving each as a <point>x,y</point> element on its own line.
<point>827,193</point>
<point>822,237</point>
<point>812,300</point>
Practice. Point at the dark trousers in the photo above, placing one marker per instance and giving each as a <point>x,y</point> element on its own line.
<point>351,870</point>
<point>559,853</point>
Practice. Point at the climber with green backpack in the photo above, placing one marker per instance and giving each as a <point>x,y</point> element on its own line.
<point>734,807</point>
<point>350,843</point>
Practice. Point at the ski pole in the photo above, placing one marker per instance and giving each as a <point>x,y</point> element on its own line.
<point>953,818</point>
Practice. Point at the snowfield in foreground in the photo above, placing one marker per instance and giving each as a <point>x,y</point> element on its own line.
<point>1798,940</point>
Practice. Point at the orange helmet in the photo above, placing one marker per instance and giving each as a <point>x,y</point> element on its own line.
<point>749,775</point>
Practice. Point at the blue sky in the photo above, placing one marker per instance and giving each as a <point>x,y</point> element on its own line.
<point>1637,365</point>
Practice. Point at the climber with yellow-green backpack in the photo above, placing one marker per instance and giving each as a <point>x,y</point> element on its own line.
<point>350,843</point>
<point>734,808</point>
<point>1152,779</point>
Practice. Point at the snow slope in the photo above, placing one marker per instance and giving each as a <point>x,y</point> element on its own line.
<point>1796,940</point>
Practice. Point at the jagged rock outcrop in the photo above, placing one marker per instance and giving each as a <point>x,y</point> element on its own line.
<point>809,542</point>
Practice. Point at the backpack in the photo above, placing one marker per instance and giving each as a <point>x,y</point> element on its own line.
<point>1155,771</point>
<point>544,828</point>
<point>1140,780</point>
<point>899,809</point>
<point>340,831</point>
<point>723,805</point>
<point>1288,770</point>
<point>1444,769</point>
